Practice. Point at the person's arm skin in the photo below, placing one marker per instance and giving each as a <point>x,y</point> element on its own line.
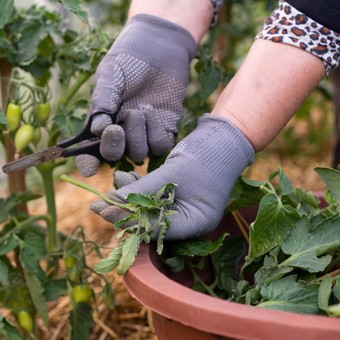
<point>193,15</point>
<point>269,87</point>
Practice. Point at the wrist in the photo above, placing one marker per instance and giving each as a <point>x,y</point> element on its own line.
<point>194,16</point>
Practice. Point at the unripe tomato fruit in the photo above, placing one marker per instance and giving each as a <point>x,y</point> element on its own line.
<point>81,293</point>
<point>23,136</point>
<point>70,261</point>
<point>25,321</point>
<point>36,136</point>
<point>43,112</point>
<point>13,116</point>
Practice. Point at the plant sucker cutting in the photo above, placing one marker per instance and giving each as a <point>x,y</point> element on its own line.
<point>148,220</point>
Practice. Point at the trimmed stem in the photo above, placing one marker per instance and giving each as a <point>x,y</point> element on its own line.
<point>94,191</point>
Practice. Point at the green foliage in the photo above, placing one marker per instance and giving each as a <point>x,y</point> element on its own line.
<point>6,10</point>
<point>148,219</point>
<point>293,252</point>
<point>35,41</point>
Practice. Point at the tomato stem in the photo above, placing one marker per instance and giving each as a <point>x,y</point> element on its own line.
<point>46,172</point>
<point>69,93</point>
<point>94,191</point>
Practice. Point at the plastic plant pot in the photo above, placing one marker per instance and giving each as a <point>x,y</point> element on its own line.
<point>182,313</point>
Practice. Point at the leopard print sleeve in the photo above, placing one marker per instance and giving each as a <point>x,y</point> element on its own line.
<point>217,4</point>
<point>289,26</point>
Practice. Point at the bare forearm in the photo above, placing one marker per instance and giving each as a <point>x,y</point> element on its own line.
<point>195,16</point>
<point>267,90</point>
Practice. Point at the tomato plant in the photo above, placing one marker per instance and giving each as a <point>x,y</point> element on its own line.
<point>38,263</point>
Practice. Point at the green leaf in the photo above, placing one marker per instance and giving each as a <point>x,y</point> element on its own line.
<point>163,227</point>
<point>325,290</point>
<point>290,295</point>
<point>125,220</point>
<point>269,275</point>
<point>36,243</point>
<point>68,124</point>
<point>336,288</point>
<point>31,36</point>
<point>37,295</point>
<point>55,288</point>
<point>165,196</point>
<point>176,263</point>
<point>75,7</point>
<point>3,211</point>
<point>18,198</point>
<point>209,79</point>
<point>195,247</point>
<point>105,266</point>
<point>307,198</point>
<point>332,178</point>
<point>8,330</point>
<point>29,261</point>
<point>245,193</point>
<point>141,200</point>
<point>81,321</point>
<point>285,184</point>
<point>305,246</point>
<point>226,260</point>
<point>272,224</point>
<point>6,10</point>
<point>129,252</point>
<point>10,243</point>
<point>3,274</point>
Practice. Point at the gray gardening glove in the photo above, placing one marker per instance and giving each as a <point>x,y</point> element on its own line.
<point>205,166</point>
<point>140,84</point>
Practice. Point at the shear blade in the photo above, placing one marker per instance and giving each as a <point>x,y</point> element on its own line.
<point>34,159</point>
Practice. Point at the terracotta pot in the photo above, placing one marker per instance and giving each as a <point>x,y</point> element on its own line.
<point>182,313</point>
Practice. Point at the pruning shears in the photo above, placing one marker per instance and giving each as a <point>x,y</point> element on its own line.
<point>61,149</point>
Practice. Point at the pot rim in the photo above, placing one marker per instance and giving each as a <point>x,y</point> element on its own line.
<point>177,302</point>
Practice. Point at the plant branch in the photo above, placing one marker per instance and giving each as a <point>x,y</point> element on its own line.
<point>69,93</point>
<point>94,191</point>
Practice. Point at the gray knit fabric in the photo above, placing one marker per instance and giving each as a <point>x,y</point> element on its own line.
<point>204,166</point>
<point>141,85</point>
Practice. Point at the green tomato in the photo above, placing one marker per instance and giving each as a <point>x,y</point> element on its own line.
<point>70,261</point>
<point>36,136</point>
<point>81,293</point>
<point>23,136</point>
<point>43,112</point>
<point>25,321</point>
<point>13,116</point>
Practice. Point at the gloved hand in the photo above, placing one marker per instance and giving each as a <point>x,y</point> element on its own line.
<point>205,166</point>
<point>140,86</point>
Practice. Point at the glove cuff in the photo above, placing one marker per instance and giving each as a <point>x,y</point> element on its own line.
<point>159,43</point>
